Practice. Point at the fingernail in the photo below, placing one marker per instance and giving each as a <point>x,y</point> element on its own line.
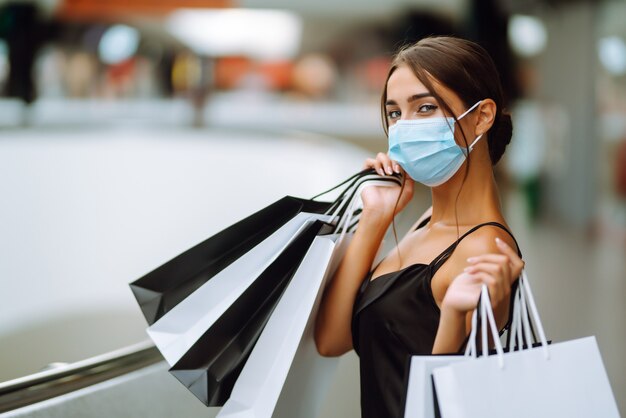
<point>389,170</point>
<point>397,168</point>
<point>499,241</point>
<point>470,260</point>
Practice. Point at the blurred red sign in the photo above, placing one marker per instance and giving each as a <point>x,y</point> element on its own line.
<point>77,9</point>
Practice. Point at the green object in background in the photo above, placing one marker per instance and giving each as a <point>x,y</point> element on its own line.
<point>532,194</point>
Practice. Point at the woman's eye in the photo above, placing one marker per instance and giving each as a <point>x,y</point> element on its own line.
<point>426,108</point>
<point>393,114</point>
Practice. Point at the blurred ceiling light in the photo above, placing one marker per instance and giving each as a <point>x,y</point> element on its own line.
<point>527,35</point>
<point>612,52</point>
<point>118,43</point>
<point>263,34</point>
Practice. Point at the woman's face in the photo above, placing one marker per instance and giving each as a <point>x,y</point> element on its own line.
<point>408,99</point>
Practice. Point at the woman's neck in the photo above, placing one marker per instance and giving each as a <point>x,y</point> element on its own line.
<point>478,200</point>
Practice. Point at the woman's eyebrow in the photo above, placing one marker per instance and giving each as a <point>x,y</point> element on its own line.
<point>410,99</point>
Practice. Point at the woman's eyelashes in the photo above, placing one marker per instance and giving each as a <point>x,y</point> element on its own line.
<point>393,114</point>
<point>421,110</point>
<point>427,109</point>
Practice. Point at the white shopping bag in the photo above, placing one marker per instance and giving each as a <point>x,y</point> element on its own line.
<point>176,332</point>
<point>567,379</point>
<point>287,344</point>
<point>182,326</point>
<point>419,396</point>
<point>310,376</point>
<point>285,376</point>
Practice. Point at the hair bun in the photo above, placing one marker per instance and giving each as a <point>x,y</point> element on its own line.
<point>500,137</point>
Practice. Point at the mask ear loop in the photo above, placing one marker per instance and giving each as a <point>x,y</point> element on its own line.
<point>469,110</point>
<point>465,114</point>
<point>475,141</point>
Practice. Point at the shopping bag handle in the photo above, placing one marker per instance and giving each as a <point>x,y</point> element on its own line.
<point>352,178</point>
<point>524,301</point>
<point>345,220</point>
<point>521,327</point>
<point>515,332</point>
<point>527,300</point>
<point>354,190</point>
<point>487,319</point>
<point>339,205</point>
<point>342,196</point>
<point>350,181</point>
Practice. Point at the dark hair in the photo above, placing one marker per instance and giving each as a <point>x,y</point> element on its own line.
<point>465,68</point>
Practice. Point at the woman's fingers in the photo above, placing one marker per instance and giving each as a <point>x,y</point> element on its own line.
<point>497,292</point>
<point>512,261</point>
<point>498,269</point>
<point>489,258</point>
<point>493,264</point>
<point>516,261</point>
<point>500,273</point>
<point>375,164</point>
<point>386,163</point>
<point>382,164</point>
<point>462,294</point>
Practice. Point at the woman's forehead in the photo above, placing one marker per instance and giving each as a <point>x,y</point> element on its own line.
<point>404,84</point>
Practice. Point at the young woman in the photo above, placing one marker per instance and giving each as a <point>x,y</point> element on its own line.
<point>443,111</point>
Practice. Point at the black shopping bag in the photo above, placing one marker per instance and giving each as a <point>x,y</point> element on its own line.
<point>163,288</point>
<point>212,365</point>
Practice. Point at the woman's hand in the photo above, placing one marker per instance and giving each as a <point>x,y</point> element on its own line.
<point>381,201</point>
<point>497,271</point>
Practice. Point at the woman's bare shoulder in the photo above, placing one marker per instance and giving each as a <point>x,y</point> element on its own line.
<point>482,241</point>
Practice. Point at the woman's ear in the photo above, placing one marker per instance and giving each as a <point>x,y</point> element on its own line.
<point>485,115</point>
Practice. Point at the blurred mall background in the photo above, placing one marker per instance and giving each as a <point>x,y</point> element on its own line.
<point>130,130</point>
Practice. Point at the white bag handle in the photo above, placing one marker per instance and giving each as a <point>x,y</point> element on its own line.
<point>353,190</point>
<point>348,184</point>
<point>521,325</point>
<point>535,313</point>
<point>470,349</point>
<point>525,329</point>
<point>484,340</point>
<point>344,223</point>
<point>516,327</point>
<point>487,320</point>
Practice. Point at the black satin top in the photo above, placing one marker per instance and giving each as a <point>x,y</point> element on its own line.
<point>394,317</point>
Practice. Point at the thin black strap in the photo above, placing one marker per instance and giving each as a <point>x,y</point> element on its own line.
<point>443,257</point>
<point>352,178</point>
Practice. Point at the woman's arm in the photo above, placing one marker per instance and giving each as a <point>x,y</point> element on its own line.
<point>497,269</point>
<point>333,335</point>
<point>333,331</point>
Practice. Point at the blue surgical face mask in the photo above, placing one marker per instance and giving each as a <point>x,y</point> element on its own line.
<point>426,149</point>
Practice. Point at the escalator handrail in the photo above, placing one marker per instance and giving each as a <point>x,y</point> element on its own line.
<point>67,378</point>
